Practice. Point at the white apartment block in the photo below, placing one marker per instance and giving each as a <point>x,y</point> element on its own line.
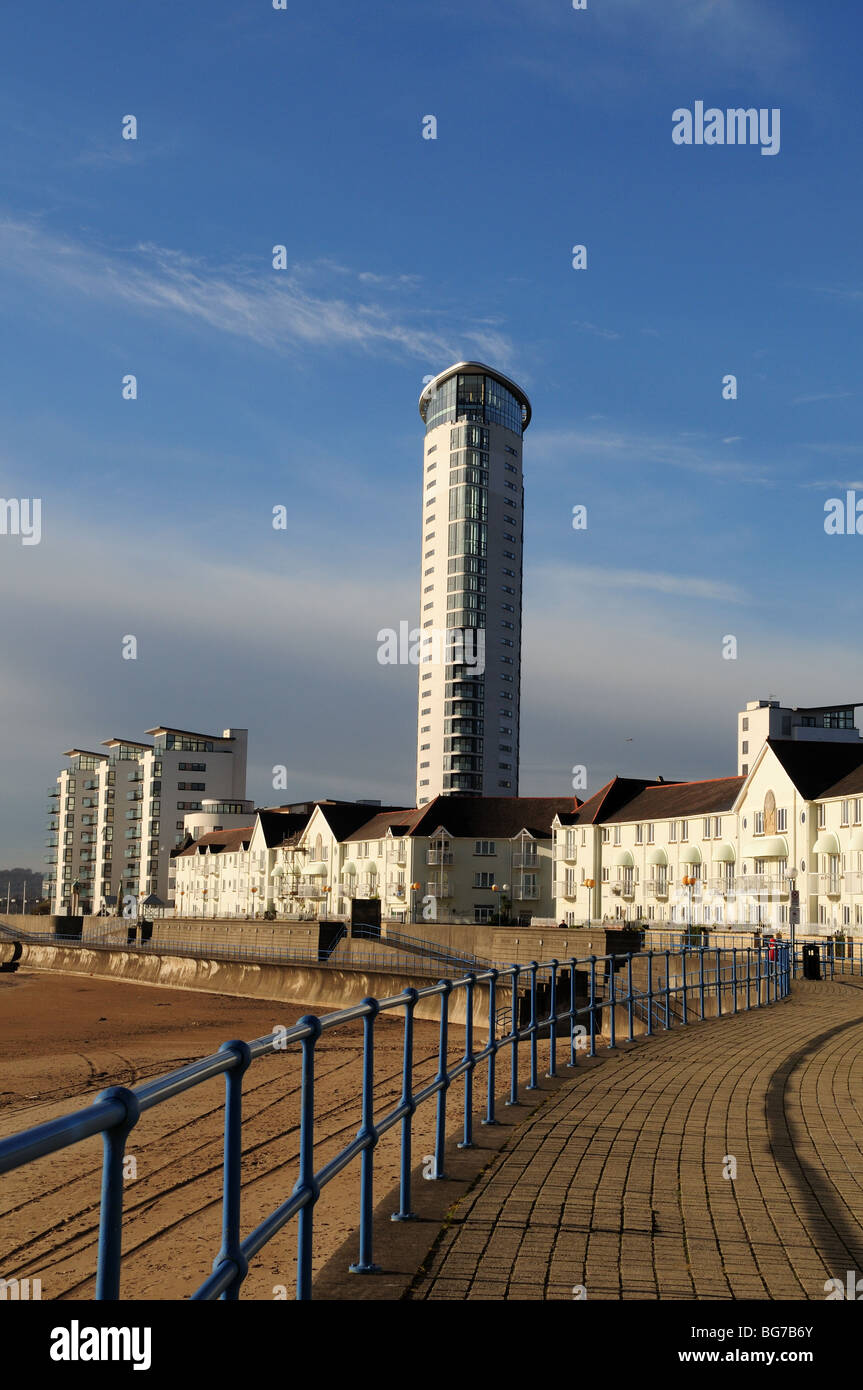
<point>120,814</point>
<point>472,534</point>
<point>462,860</point>
<point>735,850</point>
<point>764,719</point>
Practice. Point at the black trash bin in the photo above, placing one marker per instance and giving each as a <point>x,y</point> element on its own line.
<point>811,961</point>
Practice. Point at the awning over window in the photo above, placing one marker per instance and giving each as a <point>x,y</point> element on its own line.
<point>316,867</point>
<point>724,853</point>
<point>771,847</point>
<point>690,854</point>
<point>657,856</point>
<point>623,859</point>
<point>350,867</point>
<point>826,843</point>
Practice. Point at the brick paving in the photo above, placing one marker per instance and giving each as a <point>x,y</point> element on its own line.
<point>617,1183</point>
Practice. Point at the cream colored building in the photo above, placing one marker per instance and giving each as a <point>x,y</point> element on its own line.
<point>472,533</point>
<point>736,850</point>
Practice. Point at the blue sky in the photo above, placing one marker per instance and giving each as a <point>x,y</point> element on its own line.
<point>256,387</point>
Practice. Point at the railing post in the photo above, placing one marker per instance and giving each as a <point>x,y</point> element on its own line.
<point>467,1138</point>
<point>552,1021</point>
<point>684,956</point>
<point>513,1057</point>
<point>443,1080</point>
<point>611,1029</point>
<point>232,1167</point>
<point>667,990</point>
<point>306,1175</point>
<point>492,1042</point>
<point>404,1212</point>
<point>533,1029</point>
<point>650,994</point>
<point>111,1204</point>
<point>629,995</point>
<point>365,1263</point>
<point>734,977</point>
<point>573,1046</point>
<point>593,1006</point>
<point>701,980</point>
<point>718,983</point>
<point>758,975</point>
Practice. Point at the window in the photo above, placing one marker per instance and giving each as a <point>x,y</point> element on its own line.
<point>510,467</point>
<point>485,847</point>
<point>617,834</point>
<point>843,818</point>
<point>745,769</point>
<point>822,816</point>
<point>639,834</point>
<point>606,835</point>
<point>684,830</point>
<point>781,820</point>
<point>672,832</point>
<point>483,880</point>
<point>744,747</point>
<point>745,726</point>
<point>428,554</point>
<point>504,784</point>
<point>759,822</point>
<point>650,834</point>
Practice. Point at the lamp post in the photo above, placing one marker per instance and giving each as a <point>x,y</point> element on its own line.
<point>793,909</point>
<point>254,891</point>
<point>500,889</point>
<point>689,883</point>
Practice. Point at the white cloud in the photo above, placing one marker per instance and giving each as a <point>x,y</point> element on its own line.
<point>273,309</point>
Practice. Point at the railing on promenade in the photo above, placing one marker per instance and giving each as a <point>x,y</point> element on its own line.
<point>263,955</point>
<point>543,1000</point>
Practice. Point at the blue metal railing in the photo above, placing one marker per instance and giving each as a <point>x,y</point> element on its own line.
<point>116,1111</point>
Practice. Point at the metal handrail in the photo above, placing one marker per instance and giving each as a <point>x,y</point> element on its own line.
<point>114,1112</point>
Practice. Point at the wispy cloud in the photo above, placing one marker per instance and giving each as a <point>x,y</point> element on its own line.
<point>559,447</point>
<point>654,581</point>
<point>822,396</point>
<point>593,328</point>
<point>276,310</point>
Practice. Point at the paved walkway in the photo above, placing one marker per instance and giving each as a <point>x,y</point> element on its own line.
<point>617,1184</point>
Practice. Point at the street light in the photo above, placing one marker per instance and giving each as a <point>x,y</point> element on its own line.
<point>689,884</point>
<point>415,888</point>
<point>499,889</point>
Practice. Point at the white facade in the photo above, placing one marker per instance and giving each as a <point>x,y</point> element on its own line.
<point>764,719</point>
<point>123,812</point>
<point>472,535</point>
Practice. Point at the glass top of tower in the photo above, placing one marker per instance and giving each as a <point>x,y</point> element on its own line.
<point>472,391</point>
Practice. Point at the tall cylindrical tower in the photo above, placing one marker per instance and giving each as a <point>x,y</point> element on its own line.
<point>470,593</point>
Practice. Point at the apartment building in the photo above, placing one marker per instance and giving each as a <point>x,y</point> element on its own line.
<point>468,727</point>
<point>120,814</point>
<point>785,839</point>
<point>767,719</point>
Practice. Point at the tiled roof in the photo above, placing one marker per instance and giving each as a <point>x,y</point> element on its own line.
<point>344,817</point>
<point>278,826</point>
<point>219,841</point>
<point>400,821</point>
<point>821,769</point>
<point>681,799</point>
<point>492,817</point>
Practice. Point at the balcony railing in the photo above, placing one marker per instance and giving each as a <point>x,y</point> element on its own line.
<point>656,888</point>
<point>564,889</point>
<point>854,881</point>
<point>395,890</point>
<point>525,893</point>
<point>441,889</point>
<point>524,859</point>
<point>440,856</point>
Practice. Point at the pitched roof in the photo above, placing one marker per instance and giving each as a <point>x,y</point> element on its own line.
<point>821,769</point>
<point>400,822</point>
<point>218,841</point>
<point>279,826</point>
<point>681,799</point>
<point>609,799</point>
<point>492,817</point>
<point>344,817</point>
